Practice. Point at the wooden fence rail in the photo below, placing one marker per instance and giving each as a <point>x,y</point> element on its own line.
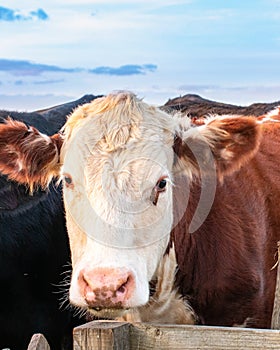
<point>113,335</point>
<point>110,335</point>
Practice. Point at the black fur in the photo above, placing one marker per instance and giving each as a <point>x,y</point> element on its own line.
<point>34,252</point>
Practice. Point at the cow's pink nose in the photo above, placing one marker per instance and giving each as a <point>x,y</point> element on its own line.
<point>106,287</point>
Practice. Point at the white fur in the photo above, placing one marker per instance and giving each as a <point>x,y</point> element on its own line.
<point>114,172</point>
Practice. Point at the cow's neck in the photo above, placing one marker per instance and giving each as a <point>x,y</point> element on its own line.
<point>166,304</point>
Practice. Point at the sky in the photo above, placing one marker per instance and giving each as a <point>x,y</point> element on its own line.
<point>55,51</point>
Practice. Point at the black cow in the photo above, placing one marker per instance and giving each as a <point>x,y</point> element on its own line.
<point>34,252</point>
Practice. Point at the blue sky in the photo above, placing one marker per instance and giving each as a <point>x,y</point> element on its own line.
<point>53,51</point>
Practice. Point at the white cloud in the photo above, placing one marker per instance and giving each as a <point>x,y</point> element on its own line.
<point>73,37</point>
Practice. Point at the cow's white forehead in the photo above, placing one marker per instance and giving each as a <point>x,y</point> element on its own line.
<point>122,143</point>
<point>118,121</point>
<point>126,147</point>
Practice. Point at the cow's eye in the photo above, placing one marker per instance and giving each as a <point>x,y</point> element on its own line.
<point>68,180</point>
<point>159,187</point>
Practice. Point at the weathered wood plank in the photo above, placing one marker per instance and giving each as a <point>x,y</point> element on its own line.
<point>38,342</point>
<point>275,320</point>
<point>150,336</point>
<point>112,335</point>
<point>105,335</point>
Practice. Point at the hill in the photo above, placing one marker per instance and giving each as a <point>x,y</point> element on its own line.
<point>197,107</point>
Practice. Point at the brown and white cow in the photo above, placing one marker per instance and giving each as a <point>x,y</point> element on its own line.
<point>136,181</point>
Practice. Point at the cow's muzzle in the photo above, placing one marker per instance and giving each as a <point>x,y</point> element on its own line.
<point>106,288</point>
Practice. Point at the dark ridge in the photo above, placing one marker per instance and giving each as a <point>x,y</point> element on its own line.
<point>48,120</point>
<point>196,107</point>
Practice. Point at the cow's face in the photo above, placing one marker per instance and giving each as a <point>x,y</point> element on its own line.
<point>118,201</point>
<point>117,159</point>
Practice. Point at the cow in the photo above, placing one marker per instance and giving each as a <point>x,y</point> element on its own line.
<point>139,183</point>
<point>34,251</point>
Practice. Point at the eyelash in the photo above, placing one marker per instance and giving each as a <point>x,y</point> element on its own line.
<point>159,188</point>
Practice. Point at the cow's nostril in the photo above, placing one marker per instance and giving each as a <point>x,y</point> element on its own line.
<point>122,288</point>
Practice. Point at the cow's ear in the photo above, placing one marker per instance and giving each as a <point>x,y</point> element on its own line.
<point>27,156</point>
<point>222,144</point>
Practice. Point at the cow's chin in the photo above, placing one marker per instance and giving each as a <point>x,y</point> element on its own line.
<point>108,314</point>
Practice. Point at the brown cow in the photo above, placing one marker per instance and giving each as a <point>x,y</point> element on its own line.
<point>137,179</point>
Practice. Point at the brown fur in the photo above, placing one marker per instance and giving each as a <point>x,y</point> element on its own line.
<point>222,146</point>
<point>225,266</point>
<point>27,156</point>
